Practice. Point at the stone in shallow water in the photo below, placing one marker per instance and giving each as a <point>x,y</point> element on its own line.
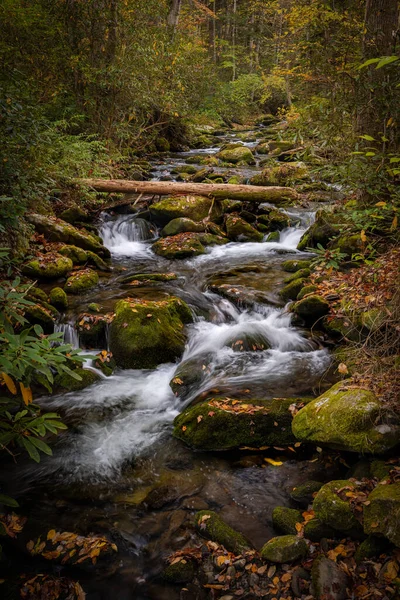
<point>239,230</point>
<point>47,266</point>
<point>284,549</point>
<point>81,281</point>
<point>330,509</point>
<point>285,519</point>
<point>173,207</point>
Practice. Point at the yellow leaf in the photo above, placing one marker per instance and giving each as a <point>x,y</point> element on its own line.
<point>275,463</point>
<point>221,560</point>
<point>380,204</point>
<point>363,236</point>
<point>342,368</point>
<point>51,534</point>
<point>26,393</point>
<point>394,223</point>
<point>9,383</point>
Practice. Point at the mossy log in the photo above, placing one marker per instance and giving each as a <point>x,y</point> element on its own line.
<point>274,194</point>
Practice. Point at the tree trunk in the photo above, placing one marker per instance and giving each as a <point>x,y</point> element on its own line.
<point>252,193</point>
<point>173,15</point>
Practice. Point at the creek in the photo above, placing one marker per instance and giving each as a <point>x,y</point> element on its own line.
<point>119,447</point>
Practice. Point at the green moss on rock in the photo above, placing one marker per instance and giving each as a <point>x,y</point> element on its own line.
<point>40,315</point>
<point>180,572</point>
<point>183,245</point>
<point>240,154</point>
<point>285,519</point>
<point>77,255</point>
<point>304,493</point>
<point>235,423</point>
<point>36,293</point>
<point>311,308</point>
<point>291,266</point>
<point>195,208</point>
<point>145,334</point>
<point>291,290</point>
<point>371,547</point>
<point>347,419</point>
<point>284,549</point>
<point>66,383</point>
<point>81,281</point>
<point>308,289</point>
<point>210,525</point>
<point>97,261</point>
<point>239,230</point>
<point>382,515</point>
<point>349,244</point>
<point>282,174</point>
<point>320,232</point>
<point>47,266</point>
<point>181,225</point>
<point>74,214</point>
<point>273,236</point>
<point>297,275</point>
<point>92,330</point>
<point>331,510</point>
<point>328,581</point>
<point>315,530</point>
<point>379,469</point>
<point>58,298</point>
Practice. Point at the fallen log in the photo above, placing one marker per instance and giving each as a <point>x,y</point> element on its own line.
<point>253,193</point>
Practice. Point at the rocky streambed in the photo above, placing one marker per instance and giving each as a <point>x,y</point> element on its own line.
<point>182,304</point>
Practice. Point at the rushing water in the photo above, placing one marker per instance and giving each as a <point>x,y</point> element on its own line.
<point>120,428</point>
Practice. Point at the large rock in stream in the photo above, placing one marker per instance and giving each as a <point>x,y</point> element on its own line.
<point>195,208</point>
<point>147,333</point>
<point>347,418</point>
<point>57,230</point>
<point>225,423</point>
<point>47,266</point>
<point>186,245</point>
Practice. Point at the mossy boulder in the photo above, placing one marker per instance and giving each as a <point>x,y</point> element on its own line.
<point>307,289</point>
<point>105,362</point>
<point>304,493</point>
<point>36,293</point>
<point>285,519</point>
<point>297,275</point>
<point>284,549</point>
<point>74,214</point>
<point>263,148</point>
<point>283,174</point>
<point>328,580</point>
<point>190,373</point>
<point>183,245</point>
<point>96,260</point>
<point>292,289</point>
<point>57,230</point>
<point>149,278</point>
<point>94,307</point>
<point>210,525</point>
<point>382,514</point>
<point>293,265</point>
<point>145,334</point>
<point>311,308</point>
<point>346,328</point>
<point>239,230</point>
<point>47,266</point>
<point>182,571</point>
<point>240,154</point>
<point>162,144</point>
<point>81,281</point>
<point>281,145</point>
<point>371,547</point>
<point>77,255</point>
<point>374,319</point>
<point>380,469</point>
<point>65,383</point>
<point>349,244</point>
<point>182,225</point>
<point>320,232</point>
<point>225,423</point>
<point>278,220</point>
<point>195,208</point>
<point>331,510</point>
<point>58,298</point>
<point>273,236</point>
<point>45,316</point>
<point>351,419</point>
<point>315,530</point>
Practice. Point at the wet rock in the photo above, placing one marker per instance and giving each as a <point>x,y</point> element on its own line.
<point>331,510</point>
<point>37,294</point>
<point>58,298</point>
<point>348,244</point>
<point>229,206</point>
<point>292,289</point>
<point>285,519</point>
<point>308,289</point>
<point>302,273</point>
<point>189,375</point>
<point>66,383</point>
<point>45,316</point>
<point>92,330</point>
<point>273,237</point>
<point>283,174</point>
<point>182,571</point>
<point>202,175</point>
<point>209,524</point>
<point>292,266</point>
<point>94,307</point>
<point>81,281</point>
<point>315,530</point>
<point>183,245</point>
<point>278,220</point>
<point>181,225</point>
<point>175,207</point>
<point>240,154</point>
<point>347,419</point>
<point>57,230</point>
<point>304,493</point>
<point>284,549</point>
<point>97,261</point>
<point>105,362</point>
<point>47,266</point>
<point>311,309</point>
<point>328,580</point>
<point>239,230</point>
<point>380,469</point>
<point>263,148</point>
<point>162,144</point>
<point>74,214</point>
<point>382,515</point>
<point>299,584</point>
<point>149,278</point>
<point>320,232</point>
<point>76,254</point>
<point>145,334</point>
<point>225,423</point>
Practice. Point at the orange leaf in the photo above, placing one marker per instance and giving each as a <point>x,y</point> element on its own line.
<point>9,383</point>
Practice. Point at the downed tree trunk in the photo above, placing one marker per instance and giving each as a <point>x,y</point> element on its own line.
<point>252,193</point>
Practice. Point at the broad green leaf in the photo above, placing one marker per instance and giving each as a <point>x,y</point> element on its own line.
<point>8,501</point>
<point>387,60</point>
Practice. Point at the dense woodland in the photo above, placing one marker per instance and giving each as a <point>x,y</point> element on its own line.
<point>96,91</point>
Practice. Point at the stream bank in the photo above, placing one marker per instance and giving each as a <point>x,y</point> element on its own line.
<point>118,472</point>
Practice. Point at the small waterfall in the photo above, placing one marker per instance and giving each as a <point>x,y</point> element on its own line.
<point>70,333</point>
<point>125,235</point>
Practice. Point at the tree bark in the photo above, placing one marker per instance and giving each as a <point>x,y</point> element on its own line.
<point>274,194</point>
<point>173,15</point>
